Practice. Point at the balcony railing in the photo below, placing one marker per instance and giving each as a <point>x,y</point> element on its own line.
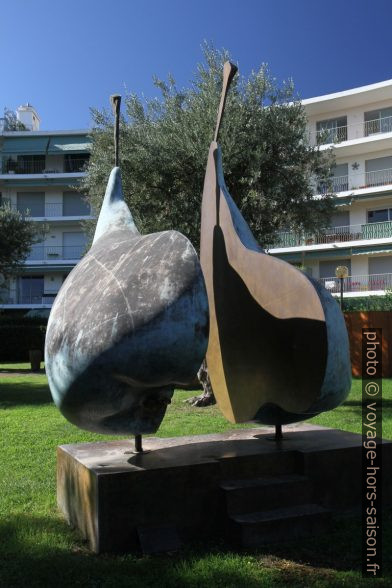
<point>75,165</point>
<point>23,167</point>
<point>43,253</point>
<point>363,283</point>
<point>338,184</point>
<point>51,209</point>
<point>381,177</point>
<point>336,135</point>
<point>42,167</point>
<point>335,235</point>
<point>354,131</point>
<point>28,299</point>
<point>356,181</point>
<point>378,125</point>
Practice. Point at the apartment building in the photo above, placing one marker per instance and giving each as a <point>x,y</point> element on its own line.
<point>39,173</point>
<point>357,124</point>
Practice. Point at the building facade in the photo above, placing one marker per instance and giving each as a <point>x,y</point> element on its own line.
<point>357,124</point>
<point>39,173</point>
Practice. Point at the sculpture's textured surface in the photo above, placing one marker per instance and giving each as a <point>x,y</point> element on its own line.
<point>130,321</point>
<point>278,348</point>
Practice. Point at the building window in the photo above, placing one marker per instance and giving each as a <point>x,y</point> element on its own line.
<point>24,164</point>
<point>338,182</point>
<point>380,265</point>
<point>30,164</point>
<point>378,172</point>
<point>74,163</point>
<point>74,245</point>
<point>340,219</point>
<point>378,121</point>
<point>380,215</point>
<point>31,289</point>
<point>332,130</point>
<point>75,205</point>
<point>327,268</point>
<point>32,203</point>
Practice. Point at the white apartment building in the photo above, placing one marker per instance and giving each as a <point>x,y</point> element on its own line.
<point>39,173</point>
<point>357,124</point>
<point>40,169</point>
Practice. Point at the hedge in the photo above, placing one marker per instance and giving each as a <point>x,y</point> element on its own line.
<point>368,303</point>
<point>17,339</point>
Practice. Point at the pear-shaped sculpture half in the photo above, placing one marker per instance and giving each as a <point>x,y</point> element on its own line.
<point>278,346</point>
<point>129,323</point>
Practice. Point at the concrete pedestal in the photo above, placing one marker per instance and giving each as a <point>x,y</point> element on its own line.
<point>176,489</point>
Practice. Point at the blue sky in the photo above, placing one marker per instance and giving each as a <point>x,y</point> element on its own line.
<point>66,56</point>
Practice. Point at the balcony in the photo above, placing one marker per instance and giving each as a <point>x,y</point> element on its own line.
<point>338,184</point>
<point>381,230</point>
<point>355,131</point>
<point>327,136</point>
<point>357,181</point>
<point>378,125</point>
<point>15,299</point>
<point>55,253</point>
<point>381,177</point>
<point>73,166</point>
<point>77,165</point>
<point>364,283</point>
<point>53,209</point>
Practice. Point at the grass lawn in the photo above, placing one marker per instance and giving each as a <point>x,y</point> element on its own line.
<point>37,548</point>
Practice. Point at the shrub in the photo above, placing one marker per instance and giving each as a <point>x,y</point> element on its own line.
<point>368,303</point>
<point>17,339</point>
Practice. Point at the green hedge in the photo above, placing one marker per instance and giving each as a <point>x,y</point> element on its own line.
<point>16,340</point>
<point>6,319</point>
<point>366,303</point>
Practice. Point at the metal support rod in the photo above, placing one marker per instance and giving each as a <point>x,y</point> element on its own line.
<point>341,294</point>
<point>138,444</point>
<point>115,101</point>
<point>278,433</point>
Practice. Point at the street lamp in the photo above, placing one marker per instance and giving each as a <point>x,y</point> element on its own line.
<point>341,272</point>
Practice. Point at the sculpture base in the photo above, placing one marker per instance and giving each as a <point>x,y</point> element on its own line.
<point>178,490</point>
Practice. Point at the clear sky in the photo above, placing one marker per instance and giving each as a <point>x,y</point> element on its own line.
<point>65,56</point>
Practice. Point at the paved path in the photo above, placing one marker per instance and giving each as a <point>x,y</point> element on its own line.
<point>7,374</point>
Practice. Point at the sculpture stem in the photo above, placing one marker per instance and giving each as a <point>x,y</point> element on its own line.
<point>229,71</point>
<point>115,101</point>
<point>138,444</point>
<point>278,433</point>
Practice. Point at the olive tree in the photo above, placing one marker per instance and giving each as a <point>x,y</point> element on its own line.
<point>270,166</point>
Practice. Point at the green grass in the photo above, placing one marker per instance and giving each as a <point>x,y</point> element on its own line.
<point>37,548</point>
<point>348,416</point>
<point>16,367</point>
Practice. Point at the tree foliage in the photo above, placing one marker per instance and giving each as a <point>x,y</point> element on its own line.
<point>270,167</point>
<point>17,234</point>
<point>11,123</point>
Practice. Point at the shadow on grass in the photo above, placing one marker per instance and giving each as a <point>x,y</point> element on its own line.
<point>35,554</point>
<point>21,393</point>
<point>45,552</point>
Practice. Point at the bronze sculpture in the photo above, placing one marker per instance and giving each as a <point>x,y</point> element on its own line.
<point>131,320</point>
<point>129,323</point>
<point>278,347</point>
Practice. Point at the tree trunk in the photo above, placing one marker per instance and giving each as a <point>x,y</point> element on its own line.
<point>207,398</point>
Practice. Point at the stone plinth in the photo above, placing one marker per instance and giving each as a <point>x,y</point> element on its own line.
<point>114,496</point>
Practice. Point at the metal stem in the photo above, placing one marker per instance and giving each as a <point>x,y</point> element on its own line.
<point>229,71</point>
<point>115,101</point>
<point>138,444</point>
<point>341,294</point>
<point>278,433</point>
